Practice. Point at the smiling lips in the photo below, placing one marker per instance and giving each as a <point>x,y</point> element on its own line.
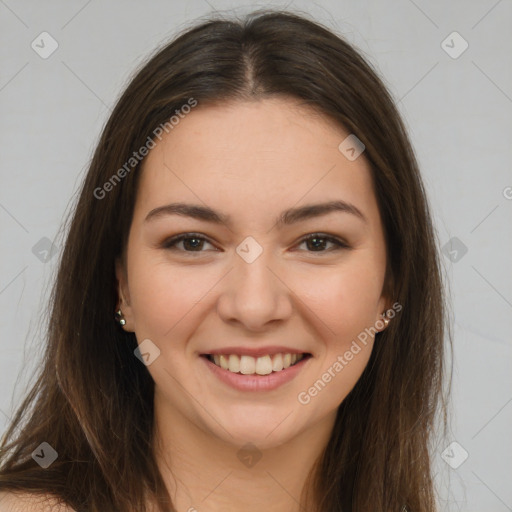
<point>256,369</point>
<point>263,365</point>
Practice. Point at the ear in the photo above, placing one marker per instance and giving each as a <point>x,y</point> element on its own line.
<point>123,294</point>
<point>383,305</point>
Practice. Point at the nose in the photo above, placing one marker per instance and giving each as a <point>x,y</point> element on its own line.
<point>254,294</point>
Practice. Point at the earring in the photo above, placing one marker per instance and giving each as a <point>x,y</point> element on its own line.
<point>119,317</point>
<point>386,320</point>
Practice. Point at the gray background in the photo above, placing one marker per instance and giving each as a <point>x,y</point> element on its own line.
<point>458,112</point>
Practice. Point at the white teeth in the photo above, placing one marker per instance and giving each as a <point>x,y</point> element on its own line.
<point>263,365</point>
<point>277,363</point>
<point>247,365</point>
<point>234,363</point>
<point>224,362</point>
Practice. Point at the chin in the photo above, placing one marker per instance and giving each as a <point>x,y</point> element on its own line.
<point>265,431</point>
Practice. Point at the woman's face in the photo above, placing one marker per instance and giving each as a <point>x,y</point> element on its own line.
<point>252,279</point>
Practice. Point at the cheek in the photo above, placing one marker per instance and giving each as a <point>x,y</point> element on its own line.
<point>162,296</point>
<point>348,367</point>
<point>344,299</point>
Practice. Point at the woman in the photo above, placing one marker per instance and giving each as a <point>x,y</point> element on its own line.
<point>248,313</point>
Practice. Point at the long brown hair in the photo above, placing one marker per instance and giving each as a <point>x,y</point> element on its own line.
<point>93,400</point>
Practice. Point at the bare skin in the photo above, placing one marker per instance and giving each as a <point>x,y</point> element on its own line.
<point>250,161</point>
<point>28,502</point>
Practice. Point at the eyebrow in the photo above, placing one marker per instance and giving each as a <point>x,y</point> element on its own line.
<point>287,217</point>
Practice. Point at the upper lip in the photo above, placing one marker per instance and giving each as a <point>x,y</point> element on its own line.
<point>255,351</point>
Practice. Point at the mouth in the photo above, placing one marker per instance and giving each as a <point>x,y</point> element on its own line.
<point>263,365</point>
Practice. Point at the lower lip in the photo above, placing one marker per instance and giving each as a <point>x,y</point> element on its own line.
<point>256,382</point>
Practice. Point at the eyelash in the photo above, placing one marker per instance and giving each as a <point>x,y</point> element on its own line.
<point>170,243</point>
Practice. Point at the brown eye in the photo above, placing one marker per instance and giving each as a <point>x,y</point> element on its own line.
<point>317,242</point>
<point>191,243</point>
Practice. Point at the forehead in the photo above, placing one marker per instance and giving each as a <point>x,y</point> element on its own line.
<point>253,156</point>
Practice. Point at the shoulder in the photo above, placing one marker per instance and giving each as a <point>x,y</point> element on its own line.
<point>27,502</point>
